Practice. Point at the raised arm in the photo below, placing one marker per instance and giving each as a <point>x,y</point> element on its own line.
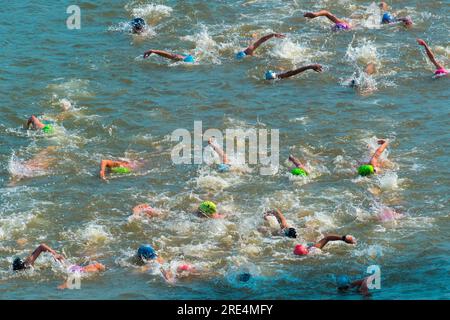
<point>347,239</point>
<point>296,162</point>
<point>164,54</point>
<point>315,67</point>
<point>376,156</point>
<point>323,13</point>
<point>430,54</point>
<point>29,261</point>
<point>250,50</point>
<point>223,156</point>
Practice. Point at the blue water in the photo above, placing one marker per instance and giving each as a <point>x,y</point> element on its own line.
<point>127,107</point>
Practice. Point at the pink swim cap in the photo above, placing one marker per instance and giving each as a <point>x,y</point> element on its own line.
<point>440,71</point>
<point>184,267</point>
<point>300,250</point>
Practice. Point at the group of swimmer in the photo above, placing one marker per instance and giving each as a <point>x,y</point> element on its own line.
<point>146,256</point>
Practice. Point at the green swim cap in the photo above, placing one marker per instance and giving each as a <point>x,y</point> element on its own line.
<point>299,172</point>
<point>121,170</point>
<point>47,129</point>
<point>208,208</point>
<point>366,170</point>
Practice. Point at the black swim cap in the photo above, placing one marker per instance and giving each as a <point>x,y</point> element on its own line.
<point>138,23</point>
<point>244,277</point>
<point>18,264</point>
<point>291,233</point>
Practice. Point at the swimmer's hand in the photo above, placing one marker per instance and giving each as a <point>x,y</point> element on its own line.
<point>316,67</point>
<point>421,42</point>
<point>279,35</point>
<point>147,53</point>
<point>58,257</point>
<point>310,15</point>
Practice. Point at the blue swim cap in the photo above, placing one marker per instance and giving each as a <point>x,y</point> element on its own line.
<point>223,167</point>
<point>342,282</point>
<point>270,75</point>
<point>146,252</point>
<point>189,59</point>
<point>241,55</point>
<point>387,18</point>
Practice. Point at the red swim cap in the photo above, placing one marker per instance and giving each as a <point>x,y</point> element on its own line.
<point>184,267</point>
<point>300,250</point>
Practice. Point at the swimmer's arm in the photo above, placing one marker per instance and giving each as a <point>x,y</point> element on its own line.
<point>281,219</point>
<point>29,261</point>
<point>430,53</point>
<point>296,162</point>
<point>254,46</point>
<point>103,165</point>
<point>223,156</point>
<point>315,67</point>
<point>164,54</point>
<point>376,157</point>
<point>361,285</point>
<point>323,13</point>
<point>322,243</point>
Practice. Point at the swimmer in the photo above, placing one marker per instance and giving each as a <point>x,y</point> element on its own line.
<point>225,165</point>
<point>300,169</point>
<point>19,264</point>
<point>339,24</point>
<point>137,25</point>
<point>80,271</point>
<point>118,167</point>
<point>36,124</point>
<point>208,209</point>
<point>344,284</point>
<point>370,70</point>
<point>39,164</point>
<point>172,56</point>
<point>285,228</point>
<point>147,255</point>
<point>440,70</point>
<point>374,166</point>
<point>251,49</point>
<point>145,210</point>
<point>270,75</point>
<point>301,250</point>
<point>390,19</point>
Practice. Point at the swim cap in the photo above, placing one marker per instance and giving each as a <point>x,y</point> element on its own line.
<point>47,129</point>
<point>290,233</point>
<point>366,170</point>
<point>121,170</point>
<point>387,18</point>
<point>241,55</point>
<point>18,264</point>
<point>299,172</point>
<point>244,277</point>
<point>137,23</point>
<point>441,71</point>
<point>184,267</point>
<point>146,252</point>
<point>340,26</point>
<point>343,282</point>
<point>189,59</point>
<point>208,208</point>
<point>270,75</point>
<point>223,167</point>
<point>300,250</point>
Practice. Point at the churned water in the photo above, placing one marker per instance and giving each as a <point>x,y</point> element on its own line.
<point>106,101</point>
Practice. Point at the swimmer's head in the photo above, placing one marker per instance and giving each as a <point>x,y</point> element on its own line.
<point>18,264</point>
<point>240,55</point>
<point>270,75</point>
<point>146,252</point>
<point>208,208</point>
<point>299,172</point>
<point>189,59</point>
<point>343,282</point>
<point>291,233</point>
<point>387,18</point>
<point>366,170</point>
<point>300,250</point>
<point>223,167</point>
<point>244,277</point>
<point>138,25</point>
